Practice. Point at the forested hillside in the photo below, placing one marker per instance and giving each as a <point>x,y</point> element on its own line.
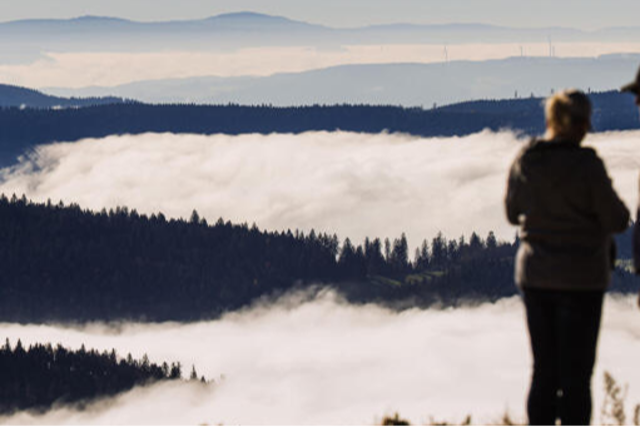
<point>39,376</point>
<point>22,129</point>
<point>60,263</point>
<point>16,96</point>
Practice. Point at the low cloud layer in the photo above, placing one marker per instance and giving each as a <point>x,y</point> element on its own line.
<point>82,69</point>
<point>356,185</point>
<point>325,362</point>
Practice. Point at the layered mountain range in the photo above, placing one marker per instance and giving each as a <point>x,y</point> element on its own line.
<point>16,96</point>
<point>386,84</point>
<point>252,29</point>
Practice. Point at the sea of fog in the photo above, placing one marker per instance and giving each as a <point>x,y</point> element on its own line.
<point>296,361</point>
<point>325,362</point>
<point>84,69</point>
<point>356,185</point>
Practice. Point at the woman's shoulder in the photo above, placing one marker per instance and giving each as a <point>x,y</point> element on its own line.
<point>545,146</point>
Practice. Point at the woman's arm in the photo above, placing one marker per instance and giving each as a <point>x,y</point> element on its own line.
<point>512,203</point>
<point>612,213</point>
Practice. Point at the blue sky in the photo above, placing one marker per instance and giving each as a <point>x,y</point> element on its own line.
<point>585,14</point>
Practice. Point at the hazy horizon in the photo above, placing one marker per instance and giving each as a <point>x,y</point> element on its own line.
<point>588,15</point>
<point>77,56</point>
<point>275,14</point>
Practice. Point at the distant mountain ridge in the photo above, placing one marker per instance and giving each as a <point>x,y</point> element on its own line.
<point>246,17</point>
<point>250,28</point>
<point>16,96</point>
<point>386,84</point>
<point>227,21</point>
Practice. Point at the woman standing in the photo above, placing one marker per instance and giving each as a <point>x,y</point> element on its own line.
<point>560,195</point>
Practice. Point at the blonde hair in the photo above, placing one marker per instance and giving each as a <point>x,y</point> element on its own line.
<point>568,113</point>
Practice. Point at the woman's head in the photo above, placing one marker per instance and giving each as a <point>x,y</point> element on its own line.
<point>568,115</point>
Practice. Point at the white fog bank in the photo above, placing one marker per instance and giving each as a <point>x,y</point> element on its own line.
<point>325,362</point>
<point>82,69</point>
<point>356,185</point>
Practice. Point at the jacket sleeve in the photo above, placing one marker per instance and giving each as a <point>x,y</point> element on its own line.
<point>512,197</point>
<point>612,213</point>
<point>636,244</point>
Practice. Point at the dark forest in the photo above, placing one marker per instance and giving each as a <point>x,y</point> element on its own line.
<point>38,376</point>
<point>63,263</point>
<point>23,129</point>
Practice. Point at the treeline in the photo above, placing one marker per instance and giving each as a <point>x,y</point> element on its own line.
<point>63,263</point>
<point>21,129</point>
<point>39,376</point>
<point>22,97</point>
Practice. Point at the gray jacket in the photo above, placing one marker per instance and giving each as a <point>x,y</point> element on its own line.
<point>560,195</point>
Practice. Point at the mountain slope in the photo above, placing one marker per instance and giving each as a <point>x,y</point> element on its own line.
<point>387,84</point>
<point>15,96</point>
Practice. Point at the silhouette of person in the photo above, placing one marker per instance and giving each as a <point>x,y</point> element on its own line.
<point>634,88</point>
<point>561,197</point>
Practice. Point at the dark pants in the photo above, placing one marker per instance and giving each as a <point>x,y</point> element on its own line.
<point>563,327</point>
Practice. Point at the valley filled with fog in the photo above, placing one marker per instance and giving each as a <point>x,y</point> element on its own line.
<point>319,361</point>
<point>296,361</point>
<point>287,328</point>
